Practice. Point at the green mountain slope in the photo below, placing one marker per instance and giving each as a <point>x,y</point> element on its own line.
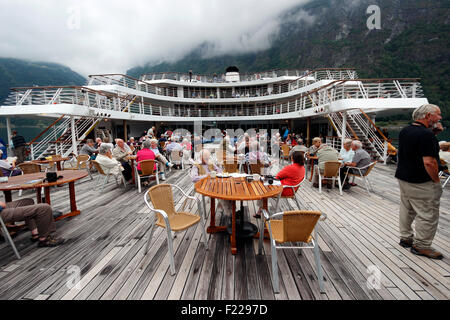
<point>20,73</point>
<point>413,42</point>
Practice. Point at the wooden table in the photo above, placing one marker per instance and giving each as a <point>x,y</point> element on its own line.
<point>57,161</point>
<point>20,183</point>
<point>234,189</point>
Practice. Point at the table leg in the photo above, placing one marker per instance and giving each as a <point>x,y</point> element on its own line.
<point>58,165</point>
<point>47,195</point>
<point>73,203</point>
<point>233,230</point>
<point>8,196</point>
<point>212,224</point>
<point>38,195</point>
<point>133,173</point>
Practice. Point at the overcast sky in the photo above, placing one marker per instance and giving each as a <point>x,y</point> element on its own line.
<point>109,36</point>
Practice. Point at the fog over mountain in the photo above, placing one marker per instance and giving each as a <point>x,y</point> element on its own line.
<point>110,36</point>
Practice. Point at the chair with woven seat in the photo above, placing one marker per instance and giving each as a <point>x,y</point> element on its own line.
<point>330,172</point>
<point>294,191</point>
<point>106,176</point>
<point>231,166</point>
<point>257,167</point>
<point>176,158</point>
<point>294,227</point>
<point>29,167</point>
<point>165,216</point>
<point>444,174</point>
<point>285,150</point>
<point>362,175</point>
<point>149,169</point>
<point>82,164</point>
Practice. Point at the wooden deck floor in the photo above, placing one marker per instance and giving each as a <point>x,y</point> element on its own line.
<point>107,241</point>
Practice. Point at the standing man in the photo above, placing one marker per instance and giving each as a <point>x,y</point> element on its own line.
<point>418,177</point>
<point>19,144</point>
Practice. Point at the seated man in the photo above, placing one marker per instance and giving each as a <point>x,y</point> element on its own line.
<point>39,219</point>
<point>360,160</point>
<point>121,153</point>
<point>316,143</point>
<point>89,149</point>
<point>107,161</point>
<point>163,162</point>
<point>98,142</point>
<point>299,147</point>
<point>8,169</point>
<point>324,153</point>
<point>346,152</point>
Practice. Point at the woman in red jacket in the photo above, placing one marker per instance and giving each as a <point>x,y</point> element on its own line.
<point>290,175</point>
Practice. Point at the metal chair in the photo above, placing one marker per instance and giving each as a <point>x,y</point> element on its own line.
<point>257,167</point>
<point>444,174</point>
<point>177,158</point>
<point>29,167</point>
<point>285,150</point>
<point>83,161</point>
<point>106,176</point>
<point>364,176</point>
<point>330,172</point>
<point>294,190</point>
<point>294,226</point>
<point>166,217</point>
<point>147,171</point>
<point>7,236</point>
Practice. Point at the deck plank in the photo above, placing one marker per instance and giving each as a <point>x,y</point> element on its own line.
<point>107,242</point>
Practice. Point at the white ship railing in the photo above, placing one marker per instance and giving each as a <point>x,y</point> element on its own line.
<point>316,99</point>
<point>226,93</point>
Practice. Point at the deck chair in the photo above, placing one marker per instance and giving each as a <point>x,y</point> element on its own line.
<point>82,164</point>
<point>257,167</point>
<point>285,150</point>
<point>330,172</point>
<point>294,189</point>
<point>106,176</point>
<point>231,166</point>
<point>364,176</point>
<point>176,158</point>
<point>148,171</point>
<point>29,167</point>
<point>165,216</point>
<point>444,174</point>
<point>294,226</point>
<point>8,238</point>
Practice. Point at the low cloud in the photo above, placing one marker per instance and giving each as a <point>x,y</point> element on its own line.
<point>108,36</point>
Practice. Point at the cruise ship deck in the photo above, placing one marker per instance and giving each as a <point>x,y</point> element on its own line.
<point>108,239</point>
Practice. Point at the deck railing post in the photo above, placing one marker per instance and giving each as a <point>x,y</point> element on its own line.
<point>385,152</point>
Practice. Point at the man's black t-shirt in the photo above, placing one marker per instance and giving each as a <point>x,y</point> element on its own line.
<point>415,142</point>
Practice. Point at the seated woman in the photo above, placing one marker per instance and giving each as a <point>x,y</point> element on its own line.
<point>256,155</point>
<point>290,175</point>
<point>146,154</point>
<point>202,169</point>
<point>9,168</point>
<point>107,162</point>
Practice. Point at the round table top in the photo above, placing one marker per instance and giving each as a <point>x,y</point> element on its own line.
<point>237,189</point>
<point>48,161</point>
<point>35,180</point>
